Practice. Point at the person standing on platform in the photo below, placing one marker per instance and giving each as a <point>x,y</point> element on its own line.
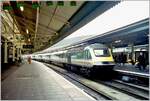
<point>124,59</point>
<point>121,58</point>
<point>29,59</point>
<point>141,61</point>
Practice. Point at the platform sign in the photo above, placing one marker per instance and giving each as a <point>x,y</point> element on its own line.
<point>73,3</point>
<point>35,5</point>
<point>49,3</point>
<point>60,3</point>
<point>20,4</point>
<point>28,46</point>
<point>7,7</point>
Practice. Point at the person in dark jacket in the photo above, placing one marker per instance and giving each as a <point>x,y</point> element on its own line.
<point>141,61</point>
<point>124,59</point>
<point>121,58</point>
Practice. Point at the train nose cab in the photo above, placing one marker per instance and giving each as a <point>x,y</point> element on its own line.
<point>102,58</point>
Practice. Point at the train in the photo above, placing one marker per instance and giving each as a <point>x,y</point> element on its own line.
<point>88,59</point>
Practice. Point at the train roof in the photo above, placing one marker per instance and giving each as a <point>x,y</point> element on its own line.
<point>97,45</point>
<point>81,47</point>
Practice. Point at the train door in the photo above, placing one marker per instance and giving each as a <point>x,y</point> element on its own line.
<point>87,57</point>
<point>69,58</point>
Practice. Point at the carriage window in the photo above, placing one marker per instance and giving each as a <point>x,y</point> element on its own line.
<point>101,52</point>
<point>87,54</point>
<point>73,56</point>
<point>80,55</point>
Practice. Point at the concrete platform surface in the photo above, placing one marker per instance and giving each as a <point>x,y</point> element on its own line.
<point>36,81</point>
<point>132,68</point>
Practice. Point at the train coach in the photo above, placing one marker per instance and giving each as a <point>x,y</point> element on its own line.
<point>88,59</point>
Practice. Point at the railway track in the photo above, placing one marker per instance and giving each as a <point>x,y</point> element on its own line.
<point>108,90</point>
<point>69,76</point>
<point>139,92</point>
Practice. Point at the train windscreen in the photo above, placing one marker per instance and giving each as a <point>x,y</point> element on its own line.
<point>101,52</point>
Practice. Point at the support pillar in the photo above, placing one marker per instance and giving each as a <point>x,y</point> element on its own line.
<point>111,48</point>
<point>132,51</point>
<point>5,53</point>
<point>13,53</point>
<point>18,54</point>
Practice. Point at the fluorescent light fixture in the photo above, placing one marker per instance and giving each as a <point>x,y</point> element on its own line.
<point>117,41</point>
<point>27,31</point>
<point>22,8</point>
<point>29,40</point>
<point>6,10</point>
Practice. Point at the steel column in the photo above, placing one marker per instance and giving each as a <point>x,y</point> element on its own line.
<point>5,52</point>
<point>13,53</point>
<point>132,51</point>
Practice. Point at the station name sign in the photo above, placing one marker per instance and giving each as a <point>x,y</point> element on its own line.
<point>28,46</point>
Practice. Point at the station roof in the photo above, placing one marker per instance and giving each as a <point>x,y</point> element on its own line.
<point>42,24</point>
<point>133,34</point>
<point>136,34</point>
<point>130,26</point>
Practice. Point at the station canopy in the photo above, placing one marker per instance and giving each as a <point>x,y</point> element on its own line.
<point>37,25</point>
<point>124,24</point>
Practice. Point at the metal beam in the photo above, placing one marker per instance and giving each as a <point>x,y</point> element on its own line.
<point>5,53</point>
<point>57,17</point>
<point>36,26</point>
<point>52,15</point>
<point>13,20</point>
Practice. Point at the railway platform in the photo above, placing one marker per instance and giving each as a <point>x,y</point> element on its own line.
<point>35,81</point>
<point>132,69</point>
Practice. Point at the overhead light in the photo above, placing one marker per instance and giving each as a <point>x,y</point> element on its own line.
<point>117,41</point>
<point>21,8</point>
<point>27,31</point>
<point>29,40</point>
<point>6,10</point>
